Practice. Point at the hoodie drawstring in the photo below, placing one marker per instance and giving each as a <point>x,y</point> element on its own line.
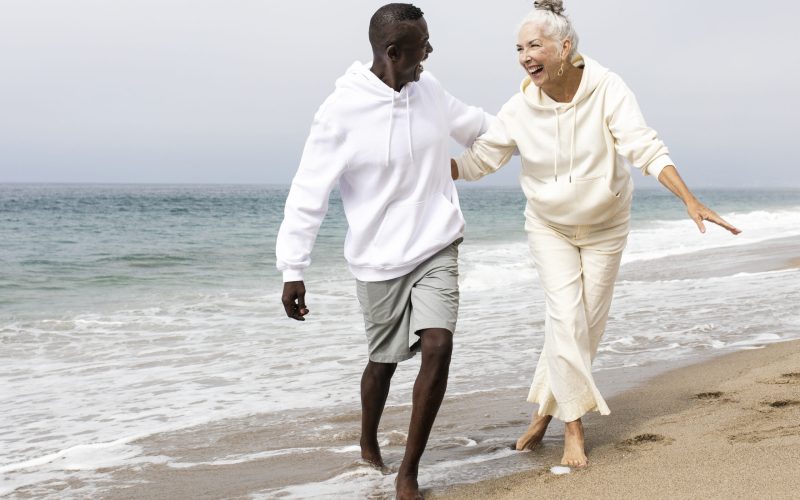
<point>389,138</point>
<point>557,149</point>
<point>391,125</point>
<point>572,141</point>
<point>408,119</point>
<point>558,146</point>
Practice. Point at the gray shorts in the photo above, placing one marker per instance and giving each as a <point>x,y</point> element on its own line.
<point>427,297</point>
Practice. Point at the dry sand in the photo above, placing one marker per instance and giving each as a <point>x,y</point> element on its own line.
<point>724,428</point>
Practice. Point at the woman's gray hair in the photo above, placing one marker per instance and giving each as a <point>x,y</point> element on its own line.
<point>549,16</point>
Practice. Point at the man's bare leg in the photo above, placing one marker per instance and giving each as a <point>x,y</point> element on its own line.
<point>574,454</point>
<point>429,389</point>
<point>535,432</point>
<point>374,389</point>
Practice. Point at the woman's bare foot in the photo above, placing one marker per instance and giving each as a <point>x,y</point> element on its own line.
<point>535,432</point>
<point>574,454</point>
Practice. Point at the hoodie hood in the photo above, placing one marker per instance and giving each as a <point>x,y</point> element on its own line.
<point>593,74</point>
<point>361,79</point>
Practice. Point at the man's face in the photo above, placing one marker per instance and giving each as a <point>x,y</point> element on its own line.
<point>413,47</point>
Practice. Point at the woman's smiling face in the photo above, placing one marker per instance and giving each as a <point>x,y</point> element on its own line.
<point>539,56</point>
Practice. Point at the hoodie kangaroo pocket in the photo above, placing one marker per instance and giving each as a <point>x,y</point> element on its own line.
<point>582,201</point>
<point>409,231</point>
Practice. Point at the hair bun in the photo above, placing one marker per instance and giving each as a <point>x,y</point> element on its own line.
<point>554,6</point>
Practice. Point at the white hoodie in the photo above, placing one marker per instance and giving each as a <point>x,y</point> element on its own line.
<point>390,154</point>
<point>575,154</point>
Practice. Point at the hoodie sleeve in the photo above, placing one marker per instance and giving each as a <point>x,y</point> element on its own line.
<point>466,122</point>
<point>322,164</point>
<point>634,140</point>
<point>490,151</point>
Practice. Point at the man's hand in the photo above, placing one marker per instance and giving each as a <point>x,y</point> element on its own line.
<point>294,300</point>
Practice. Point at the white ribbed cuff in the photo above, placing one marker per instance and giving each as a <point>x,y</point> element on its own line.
<point>657,165</point>
<point>292,275</point>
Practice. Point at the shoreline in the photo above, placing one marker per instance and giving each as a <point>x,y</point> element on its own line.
<point>777,254</point>
<point>305,453</point>
<point>626,449</point>
<point>724,427</point>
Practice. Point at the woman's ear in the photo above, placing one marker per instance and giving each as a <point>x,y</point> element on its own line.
<point>566,48</point>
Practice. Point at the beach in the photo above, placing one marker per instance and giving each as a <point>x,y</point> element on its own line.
<point>724,428</point>
<point>728,427</point>
<point>146,354</point>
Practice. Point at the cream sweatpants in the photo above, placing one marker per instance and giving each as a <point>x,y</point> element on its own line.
<point>577,266</point>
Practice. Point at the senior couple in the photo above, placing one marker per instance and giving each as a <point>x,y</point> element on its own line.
<point>383,137</point>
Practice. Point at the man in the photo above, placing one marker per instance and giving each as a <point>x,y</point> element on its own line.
<point>383,135</point>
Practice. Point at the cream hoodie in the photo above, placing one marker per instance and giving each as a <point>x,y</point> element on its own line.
<point>389,153</point>
<point>574,155</point>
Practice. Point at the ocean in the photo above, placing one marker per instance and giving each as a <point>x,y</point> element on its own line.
<point>142,323</point>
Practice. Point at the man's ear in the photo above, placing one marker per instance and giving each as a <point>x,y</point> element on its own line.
<point>393,52</point>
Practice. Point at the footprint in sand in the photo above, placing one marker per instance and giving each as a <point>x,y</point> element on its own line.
<point>640,440</point>
<point>644,438</point>
<point>709,395</point>
<point>783,403</point>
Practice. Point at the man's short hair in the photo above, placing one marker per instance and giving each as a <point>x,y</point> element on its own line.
<point>388,15</point>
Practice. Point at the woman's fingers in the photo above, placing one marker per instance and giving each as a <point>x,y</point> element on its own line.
<point>716,219</point>
<point>697,212</point>
<point>698,219</point>
<point>703,213</point>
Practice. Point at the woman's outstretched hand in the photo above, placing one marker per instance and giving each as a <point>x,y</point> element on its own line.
<point>699,213</point>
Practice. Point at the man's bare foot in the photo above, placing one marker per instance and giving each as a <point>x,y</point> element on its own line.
<point>574,454</point>
<point>371,453</point>
<point>407,487</point>
<point>535,433</point>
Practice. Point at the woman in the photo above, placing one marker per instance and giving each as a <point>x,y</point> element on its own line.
<point>576,126</point>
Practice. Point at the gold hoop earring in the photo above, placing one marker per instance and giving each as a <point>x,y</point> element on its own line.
<point>561,70</point>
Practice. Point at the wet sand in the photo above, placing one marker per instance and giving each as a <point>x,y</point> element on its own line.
<point>725,428</point>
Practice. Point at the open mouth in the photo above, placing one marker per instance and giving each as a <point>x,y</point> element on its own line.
<point>535,70</point>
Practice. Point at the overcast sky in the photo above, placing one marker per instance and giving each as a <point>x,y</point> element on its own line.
<point>202,91</point>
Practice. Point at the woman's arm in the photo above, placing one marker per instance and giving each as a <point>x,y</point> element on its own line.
<point>634,140</point>
<point>640,145</point>
<point>698,212</point>
<point>488,153</point>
